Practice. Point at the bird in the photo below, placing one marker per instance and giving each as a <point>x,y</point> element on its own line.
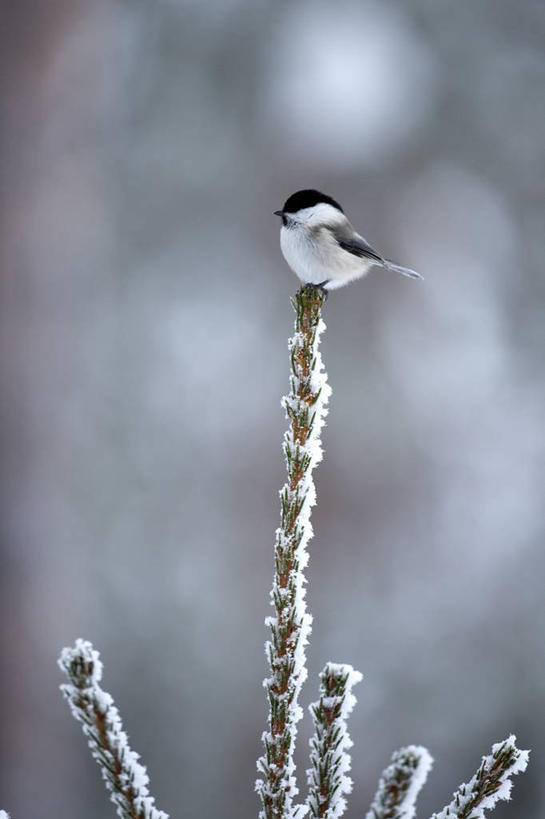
<point>321,246</point>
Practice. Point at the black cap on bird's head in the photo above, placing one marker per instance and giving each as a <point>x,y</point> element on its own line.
<point>306,199</point>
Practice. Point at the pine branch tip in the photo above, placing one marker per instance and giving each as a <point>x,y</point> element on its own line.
<point>491,784</point>
<point>328,778</point>
<point>400,783</point>
<point>125,777</point>
<point>81,663</point>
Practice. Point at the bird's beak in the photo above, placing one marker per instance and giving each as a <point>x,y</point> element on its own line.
<point>278,212</point>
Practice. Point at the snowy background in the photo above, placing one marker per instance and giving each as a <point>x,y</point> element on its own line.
<point>144,319</point>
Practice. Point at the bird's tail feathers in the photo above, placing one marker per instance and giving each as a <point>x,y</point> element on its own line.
<point>405,271</point>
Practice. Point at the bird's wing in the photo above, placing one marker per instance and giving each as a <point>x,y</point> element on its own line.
<point>355,244</point>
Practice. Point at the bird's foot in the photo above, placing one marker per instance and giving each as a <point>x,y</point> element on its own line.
<point>320,286</point>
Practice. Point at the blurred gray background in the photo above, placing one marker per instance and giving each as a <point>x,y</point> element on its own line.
<point>145,315</point>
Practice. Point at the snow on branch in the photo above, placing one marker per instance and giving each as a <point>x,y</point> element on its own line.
<point>328,777</point>
<point>305,407</point>
<point>401,783</point>
<point>125,777</point>
<point>4,815</point>
<point>491,783</point>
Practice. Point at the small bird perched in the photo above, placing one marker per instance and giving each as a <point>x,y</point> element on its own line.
<point>321,246</point>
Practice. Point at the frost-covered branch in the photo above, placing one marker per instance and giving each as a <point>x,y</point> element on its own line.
<point>328,777</point>
<point>290,625</point>
<point>401,783</point>
<point>125,777</point>
<point>491,783</point>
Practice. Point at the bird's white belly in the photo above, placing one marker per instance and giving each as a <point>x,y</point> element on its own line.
<point>320,261</point>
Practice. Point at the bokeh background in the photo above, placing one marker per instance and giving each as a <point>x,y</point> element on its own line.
<point>145,314</point>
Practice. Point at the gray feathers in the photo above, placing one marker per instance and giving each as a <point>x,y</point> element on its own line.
<point>405,271</point>
<point>352,242</point>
